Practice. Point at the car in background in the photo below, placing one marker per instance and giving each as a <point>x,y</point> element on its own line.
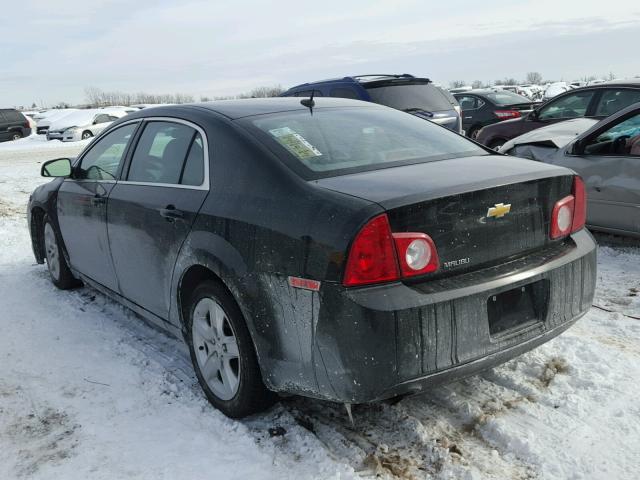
<point>555,89</point>
<point>13,125</point>
<point>44,119</point>
<point>484,107</point>
<point>414,95</point>
<point>83,124</point>
<point>606,154</point>
<point>339,249</point>
<point>598,101</point>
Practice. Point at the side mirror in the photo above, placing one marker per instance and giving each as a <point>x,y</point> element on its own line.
<point>60,167</point>
<point>533,115</point>
<point>576,148</point>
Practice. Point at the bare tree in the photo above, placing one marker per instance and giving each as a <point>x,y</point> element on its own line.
<point>477,84</point>
<point>457,83</point>
<point>534,77</point>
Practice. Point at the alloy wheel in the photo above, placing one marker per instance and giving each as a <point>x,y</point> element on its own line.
<point>216,348</point>
<point>51,250</point>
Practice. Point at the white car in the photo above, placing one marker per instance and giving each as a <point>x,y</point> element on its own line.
<point>556,89</point>
<point>46,118</point>
<point>83,124</point>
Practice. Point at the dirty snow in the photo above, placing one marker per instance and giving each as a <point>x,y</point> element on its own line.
<point>88,390</point>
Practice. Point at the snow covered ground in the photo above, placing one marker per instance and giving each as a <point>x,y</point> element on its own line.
<point>88,390</point>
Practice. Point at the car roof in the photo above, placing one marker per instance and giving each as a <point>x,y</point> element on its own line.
<point>260,106</point>
<point>364,79</point>
<point>627,82</point>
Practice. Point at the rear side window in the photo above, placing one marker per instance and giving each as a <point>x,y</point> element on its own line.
<point>193,173</point>
<point>336,141</point>
<point>344,92</point>
<point>307,93</point>
<point>168,153</point>
<point>612,101</point>
<point>409,96</point>
<point>103,159</point>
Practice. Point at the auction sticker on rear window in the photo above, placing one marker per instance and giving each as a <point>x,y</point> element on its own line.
<point>295,143</point>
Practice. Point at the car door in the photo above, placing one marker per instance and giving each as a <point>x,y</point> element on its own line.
<point>468,104</point>
<point>82,205</point>
<point>4,127</point>
<point>565,107</point>
<point>609,163</point>
<point>151,211</point>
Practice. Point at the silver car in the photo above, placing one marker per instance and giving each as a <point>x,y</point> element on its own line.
<point>607,156</point>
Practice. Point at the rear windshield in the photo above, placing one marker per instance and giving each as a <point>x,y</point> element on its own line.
<point>424,96</point>
<point>337,141</point>
<point>507,98</point>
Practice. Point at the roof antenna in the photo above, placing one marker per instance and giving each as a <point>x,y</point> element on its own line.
<point>308,102</point>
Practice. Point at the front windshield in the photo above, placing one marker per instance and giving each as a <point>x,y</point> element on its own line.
<point>335,141</point>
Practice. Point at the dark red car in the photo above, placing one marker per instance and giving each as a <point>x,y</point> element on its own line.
<point>598,101</point>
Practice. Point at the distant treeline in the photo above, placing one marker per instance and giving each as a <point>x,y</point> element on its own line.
<point>96,97</point>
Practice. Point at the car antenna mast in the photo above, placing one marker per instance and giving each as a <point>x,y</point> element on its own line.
<point>308,102</point>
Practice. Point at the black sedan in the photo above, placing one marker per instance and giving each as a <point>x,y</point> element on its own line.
<point>330,248</point>
<point>485,107</point>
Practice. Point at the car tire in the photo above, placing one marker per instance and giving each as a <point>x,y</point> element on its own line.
<point>59,271</point>
<point>223,354</point>
<point>86,134</point>
<point>473,132</point>
<point>16,135</point>
<point>496,144</point>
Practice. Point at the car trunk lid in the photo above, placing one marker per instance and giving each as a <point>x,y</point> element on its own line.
<point>479,211</point>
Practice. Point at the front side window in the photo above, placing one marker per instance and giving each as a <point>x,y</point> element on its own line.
<point>570,106</point>
<point>337,141</point>
<point>160,154</point>
<point>105,156</point>
<point>622,139</point>
<point>612,101</point>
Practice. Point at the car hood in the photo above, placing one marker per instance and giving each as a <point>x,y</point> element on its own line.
<point>395,186</point>
<point>555,135</point>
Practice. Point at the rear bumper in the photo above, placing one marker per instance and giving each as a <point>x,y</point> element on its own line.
<point>378,342</point>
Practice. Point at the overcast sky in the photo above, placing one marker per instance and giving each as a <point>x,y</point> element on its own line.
<point>51,50</point>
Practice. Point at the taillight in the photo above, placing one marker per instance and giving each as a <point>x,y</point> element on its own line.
<point>506,114</point>
<point>580,206</point>
<point>377,255</point>
<point>372,258</point>
<point>562,217</point>
<point>569,214</point>
<point>417,254</point>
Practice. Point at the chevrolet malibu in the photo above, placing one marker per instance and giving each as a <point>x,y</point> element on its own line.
<point>330,248</point>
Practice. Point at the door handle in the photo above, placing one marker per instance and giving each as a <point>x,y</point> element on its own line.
<point>171,213</point>
<point>97,200</point>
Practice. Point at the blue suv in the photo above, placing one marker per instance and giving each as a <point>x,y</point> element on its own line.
<point>418,96</point>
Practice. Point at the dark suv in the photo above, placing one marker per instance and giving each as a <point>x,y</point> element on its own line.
<point>13,125</point>
<point>418,96</point>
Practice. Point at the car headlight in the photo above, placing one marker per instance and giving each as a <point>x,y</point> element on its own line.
<point>71,130</point>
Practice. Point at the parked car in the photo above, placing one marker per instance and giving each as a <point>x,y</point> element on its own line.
<point>44,119</point>
<point>555,89</point>
<point>418,96</point>
<point>335,249</point>
<point>606,154</point>
<point>598,101</point>
<point>13,125</point>
<point>83,124</point>
<point>487,106</point>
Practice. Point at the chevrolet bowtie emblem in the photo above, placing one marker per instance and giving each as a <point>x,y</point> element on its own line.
<point>499,210</point>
